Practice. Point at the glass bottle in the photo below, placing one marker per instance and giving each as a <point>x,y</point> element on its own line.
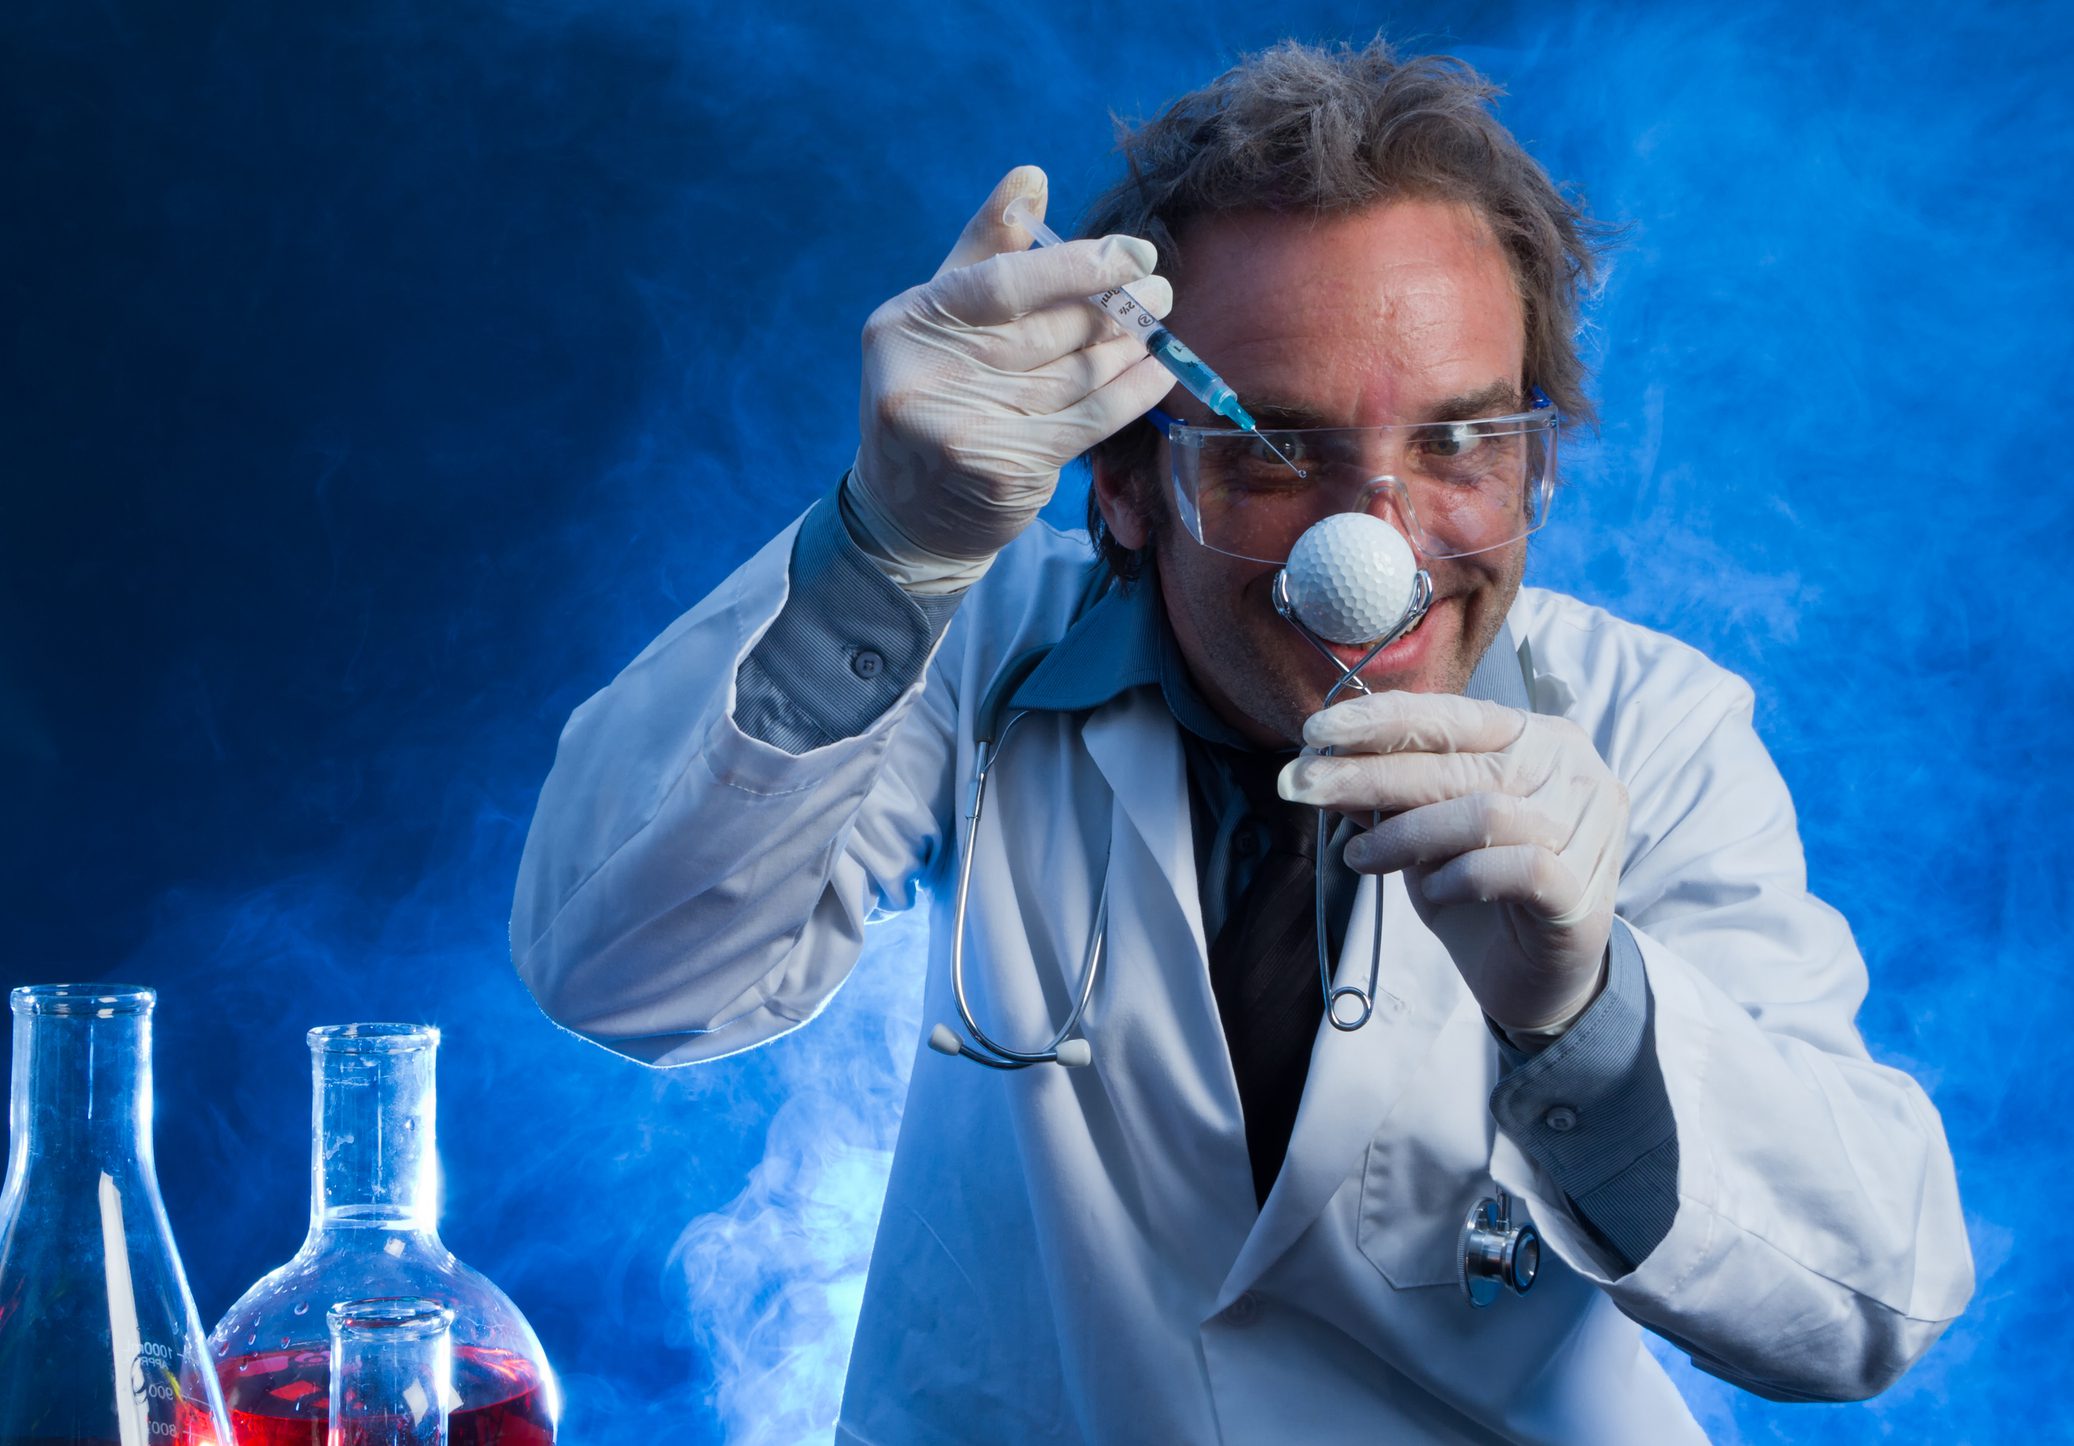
<point>392,1372</point>
<point>99,1340</point>
<point>374,1169</point>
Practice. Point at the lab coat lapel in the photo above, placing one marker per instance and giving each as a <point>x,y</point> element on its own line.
<point>1158,1046</point>
<point>1134,744</point>
<point>1357,1076</point>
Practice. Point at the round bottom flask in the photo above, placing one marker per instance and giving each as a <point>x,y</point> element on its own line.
<point>374,1233</point>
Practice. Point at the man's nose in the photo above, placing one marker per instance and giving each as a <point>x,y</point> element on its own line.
<point>1386,498</point>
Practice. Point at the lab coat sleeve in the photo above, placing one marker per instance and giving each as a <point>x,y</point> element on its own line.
<point>689,890</point>
<point>1818,1247</point>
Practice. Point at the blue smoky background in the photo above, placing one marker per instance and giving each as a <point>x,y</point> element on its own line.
<point>381,375</point>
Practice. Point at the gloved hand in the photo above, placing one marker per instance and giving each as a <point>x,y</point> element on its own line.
<point>981,384</point>
<point>1507,825</point>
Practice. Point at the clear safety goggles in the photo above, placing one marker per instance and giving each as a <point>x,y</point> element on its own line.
<point>1453,488</point>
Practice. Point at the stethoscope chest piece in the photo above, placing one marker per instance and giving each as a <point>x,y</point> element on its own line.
<point>1497,1253</point>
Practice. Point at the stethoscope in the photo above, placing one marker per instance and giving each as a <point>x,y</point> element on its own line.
<point>1495,1251</point>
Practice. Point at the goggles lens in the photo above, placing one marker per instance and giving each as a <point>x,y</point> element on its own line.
<point>1453,488</point>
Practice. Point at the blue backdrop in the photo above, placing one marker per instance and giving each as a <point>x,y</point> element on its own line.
<point>381,375</point>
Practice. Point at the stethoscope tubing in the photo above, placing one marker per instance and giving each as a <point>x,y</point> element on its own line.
<point>1415,611</point>
<point>1001,1056</point>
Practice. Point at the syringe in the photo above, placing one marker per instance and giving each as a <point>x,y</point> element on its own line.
<point>1128,312</point>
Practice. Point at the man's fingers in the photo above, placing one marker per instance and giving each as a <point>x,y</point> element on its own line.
<point>1392,782</point>
<point>1415,723</point>
<point>986,234</point>
<point>1440,832</point>
<point>1064,383</point>
<point>1014,284</point>
<point>1102,413</point>
<point>1523,875</point>
<point>1063,328</point>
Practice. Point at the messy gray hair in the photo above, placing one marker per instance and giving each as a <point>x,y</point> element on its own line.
<point>1307,129</point>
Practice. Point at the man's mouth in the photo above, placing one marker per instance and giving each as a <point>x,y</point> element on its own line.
<point>1403,654</point>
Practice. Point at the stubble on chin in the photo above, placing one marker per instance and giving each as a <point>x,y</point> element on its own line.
<point>1265,671</point>
<point>1281,697</point>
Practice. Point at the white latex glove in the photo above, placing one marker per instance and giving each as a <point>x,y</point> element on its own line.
<point>1507,825</point>
<point>981,384</point>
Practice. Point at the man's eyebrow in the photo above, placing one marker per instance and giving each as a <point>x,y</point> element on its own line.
<point>1290,416</point>
<point>1497,399</point>
<point>1276,416</point>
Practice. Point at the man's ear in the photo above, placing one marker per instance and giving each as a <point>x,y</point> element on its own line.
<point>1119,501</point>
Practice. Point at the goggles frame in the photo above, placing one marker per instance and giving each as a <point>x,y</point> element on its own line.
<point>1540,416</point>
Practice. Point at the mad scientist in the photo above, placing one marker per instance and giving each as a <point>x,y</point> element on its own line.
<point>1610,1054</point>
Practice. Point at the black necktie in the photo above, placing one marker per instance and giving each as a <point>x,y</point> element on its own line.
<point>1264,969</point>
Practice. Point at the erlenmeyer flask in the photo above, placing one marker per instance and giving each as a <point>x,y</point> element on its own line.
<point>374,1231</point>
<point>99,1341</point>
<point>392,1372</point>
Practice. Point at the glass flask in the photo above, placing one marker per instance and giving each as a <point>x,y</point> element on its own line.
<point>99,1340</point>
<point>392,1372</point>
<point>374,1182</point>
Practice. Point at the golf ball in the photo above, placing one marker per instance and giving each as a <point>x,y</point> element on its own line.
<point>1351,577</point>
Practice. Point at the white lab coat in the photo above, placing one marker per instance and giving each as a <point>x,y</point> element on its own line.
<point>1076,1255</point>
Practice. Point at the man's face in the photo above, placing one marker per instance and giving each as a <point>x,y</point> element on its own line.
<point>1400,313</point>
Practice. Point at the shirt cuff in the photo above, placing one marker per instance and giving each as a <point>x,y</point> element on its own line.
<point>844,647</point>
<point>1591,1109</point>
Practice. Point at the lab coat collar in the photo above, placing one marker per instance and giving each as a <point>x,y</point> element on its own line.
<point>1122,642</point>
<point>1111,647</point>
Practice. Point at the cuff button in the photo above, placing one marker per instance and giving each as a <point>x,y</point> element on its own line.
<point>1243,1311</point>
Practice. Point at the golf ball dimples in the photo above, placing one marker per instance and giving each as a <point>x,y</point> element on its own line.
<point>1351,577</point>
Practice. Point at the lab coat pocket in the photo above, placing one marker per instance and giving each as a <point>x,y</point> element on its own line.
<point>1429,1162</point>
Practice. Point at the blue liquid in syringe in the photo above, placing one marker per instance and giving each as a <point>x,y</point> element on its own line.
<point>1202,383</point>
<point>1170,352</point>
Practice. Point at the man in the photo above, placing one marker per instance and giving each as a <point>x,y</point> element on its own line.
<point>1604,989</point>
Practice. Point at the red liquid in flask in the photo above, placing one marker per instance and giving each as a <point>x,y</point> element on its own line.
<point>192,1426</point>
<point>281,1398</point>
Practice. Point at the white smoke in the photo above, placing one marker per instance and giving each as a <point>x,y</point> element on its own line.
<point>771,1283</point>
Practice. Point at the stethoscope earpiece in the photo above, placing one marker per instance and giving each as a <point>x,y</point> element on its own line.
<point>1072,1053</point>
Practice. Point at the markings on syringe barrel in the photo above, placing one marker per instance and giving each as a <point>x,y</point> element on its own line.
<point>1172,345</point>
<point>1126,308</point>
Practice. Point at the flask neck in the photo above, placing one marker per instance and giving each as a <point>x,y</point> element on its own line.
<point>374,1162</point>
<point>80,1095</point>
